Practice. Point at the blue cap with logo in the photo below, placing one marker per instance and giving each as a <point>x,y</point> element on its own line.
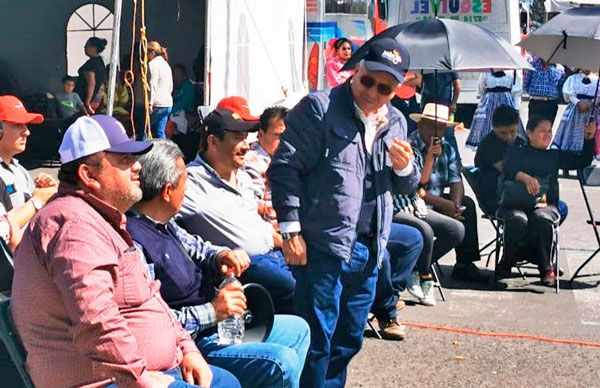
<point>388,55</point>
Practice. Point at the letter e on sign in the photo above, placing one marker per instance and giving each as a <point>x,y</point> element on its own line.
<point>487,6</point>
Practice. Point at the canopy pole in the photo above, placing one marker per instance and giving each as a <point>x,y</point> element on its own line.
<point>207,38</point>
<point>114,56</point>
<point>595,98</point>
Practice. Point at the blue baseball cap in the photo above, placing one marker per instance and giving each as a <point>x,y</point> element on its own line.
<point>91,134</point>
<point>387,55</point>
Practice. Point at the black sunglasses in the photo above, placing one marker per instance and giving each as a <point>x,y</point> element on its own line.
<point>369,82</point>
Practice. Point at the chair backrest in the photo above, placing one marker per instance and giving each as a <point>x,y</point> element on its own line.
<point>590,175</point>
<point>10,338</point>
<point>472,176</point>
<point>6,268</point>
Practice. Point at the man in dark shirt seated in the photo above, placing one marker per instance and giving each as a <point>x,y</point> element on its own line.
<point>491,153</point>
<point>189,269</point>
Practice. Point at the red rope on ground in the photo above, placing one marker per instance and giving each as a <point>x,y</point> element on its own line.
<point>503,335</point>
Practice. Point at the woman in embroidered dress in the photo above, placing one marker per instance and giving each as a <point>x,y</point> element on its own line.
<point>579,90</point>
<point>495,88</point>
<point>343,52</point>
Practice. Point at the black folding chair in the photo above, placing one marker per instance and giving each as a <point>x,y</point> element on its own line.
<point>471,174</point>
<point>6,269</point>
<point>589,176</point>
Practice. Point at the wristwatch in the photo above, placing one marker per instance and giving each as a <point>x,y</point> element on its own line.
<point>37,204</point>
<point>289,236</point>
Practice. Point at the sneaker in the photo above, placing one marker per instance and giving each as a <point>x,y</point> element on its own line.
<point>392,330</point>
<point>428,287</point>
<point>413,286</point>
<point>549,278</point>
<point>468,273</point>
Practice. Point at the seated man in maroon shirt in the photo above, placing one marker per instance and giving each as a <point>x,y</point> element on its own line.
<point>81,299</point>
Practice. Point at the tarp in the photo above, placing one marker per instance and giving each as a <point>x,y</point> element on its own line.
<point>256,49</point>
<point>563,5</point>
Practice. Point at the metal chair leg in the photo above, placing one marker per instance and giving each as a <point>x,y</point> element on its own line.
<point>370,323</point>
<point>521,273</point>
<point>437,283</point>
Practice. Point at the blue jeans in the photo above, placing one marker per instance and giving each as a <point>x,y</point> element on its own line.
<point>277,362</point>
<point>271,272</point>
<point>158,122</point>
<point>221,378</point>
<point>328,294</point>
<point>404,248</point>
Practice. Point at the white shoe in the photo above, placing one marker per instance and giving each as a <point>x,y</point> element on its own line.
<point>413,286</point>
<point>428,287</point>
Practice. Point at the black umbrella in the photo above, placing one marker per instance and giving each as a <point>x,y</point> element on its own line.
<point>448,45</point>
<point>571,38</point>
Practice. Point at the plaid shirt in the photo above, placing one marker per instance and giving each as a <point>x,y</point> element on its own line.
<point>194,319</point>
<point>446,170</point>
<point>544,82</point>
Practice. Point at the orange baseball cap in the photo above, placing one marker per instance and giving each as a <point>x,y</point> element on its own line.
<point>13,111</point>
<point>237,105</point>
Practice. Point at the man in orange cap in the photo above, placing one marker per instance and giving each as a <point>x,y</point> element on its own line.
<point>25,194</point>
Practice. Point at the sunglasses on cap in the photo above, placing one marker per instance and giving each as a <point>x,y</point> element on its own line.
<point>369,82</point>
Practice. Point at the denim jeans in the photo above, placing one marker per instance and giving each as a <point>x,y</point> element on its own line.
<point>221,378</point>
<point>271,272</point>
<point>158,122</point>
<point>335,304</point>
<point>403,249</point>
<point>277,362</point>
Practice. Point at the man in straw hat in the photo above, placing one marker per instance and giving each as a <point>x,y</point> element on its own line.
<point>441,169</point>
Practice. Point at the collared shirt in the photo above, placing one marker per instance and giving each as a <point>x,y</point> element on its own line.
<point>197,318</point>
<point>256,164</point>
<point>19,184</point>
<point>544,82</point>
<point>92,316</point>
<point>446,169</point>
<point>224,215</point>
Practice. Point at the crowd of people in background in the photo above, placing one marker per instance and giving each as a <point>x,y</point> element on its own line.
<point>341,203</point>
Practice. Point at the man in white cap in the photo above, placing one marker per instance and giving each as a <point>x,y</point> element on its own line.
<point>81,300</point>
<point>23,195</point>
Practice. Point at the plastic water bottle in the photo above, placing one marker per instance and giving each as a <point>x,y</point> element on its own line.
<point>231,329</point>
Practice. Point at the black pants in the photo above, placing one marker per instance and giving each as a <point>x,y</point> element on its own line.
<point>533,231</point>
<point>468,250</point>
<point>546,109</point>
<point>440,235</point>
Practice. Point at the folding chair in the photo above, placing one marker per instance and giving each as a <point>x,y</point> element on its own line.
<point>589,176</point>
<point>12,342</point>
<point>471,174</point>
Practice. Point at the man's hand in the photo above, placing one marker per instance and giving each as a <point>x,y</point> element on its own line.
<point>590,130</point>
<point>277,239</point>
<point>294,250</point>
<point>532,184</point>
<point>448,207</point>
<point>195,370</point>
<point>435,148</point>
<point>88,108</point>
<point>42,194</point>
<point>230,300</point>
<point>44,180</point>
<point>401,153</point>
<point>452,107</point>
<point>160,380</point>
<point>236,261</point>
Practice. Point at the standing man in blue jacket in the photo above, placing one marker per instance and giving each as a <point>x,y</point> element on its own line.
<point>340,160</point>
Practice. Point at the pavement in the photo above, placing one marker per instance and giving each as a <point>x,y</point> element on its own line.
<point>445,358</point>
<point>449,359</point>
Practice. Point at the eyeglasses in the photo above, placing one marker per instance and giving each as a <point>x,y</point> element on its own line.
<point>369,82</point>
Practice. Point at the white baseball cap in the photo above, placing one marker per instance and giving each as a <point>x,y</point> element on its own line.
<point>91,134</point>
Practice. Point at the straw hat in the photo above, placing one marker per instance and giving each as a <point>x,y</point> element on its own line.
<point>433,112</point>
